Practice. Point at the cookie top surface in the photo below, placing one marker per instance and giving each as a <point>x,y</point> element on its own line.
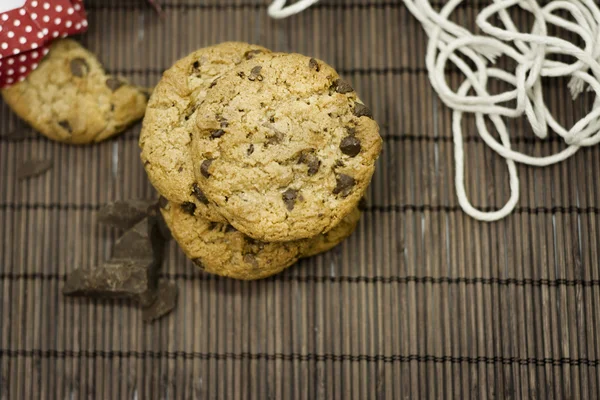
<point>70,98</point>
<point>170,118</point>
<point>284,147</point>
<point>222,250</point>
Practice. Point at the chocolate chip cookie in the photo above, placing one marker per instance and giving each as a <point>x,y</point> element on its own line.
<point>170,119</point>
<point>284,147</point>
<point>222,250</point>
<point>70,98</point>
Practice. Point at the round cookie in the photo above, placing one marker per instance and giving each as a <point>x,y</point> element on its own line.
<point>222,250</point>
<point>69,97</point>
<point>284,147</point>
<point>170,117</point>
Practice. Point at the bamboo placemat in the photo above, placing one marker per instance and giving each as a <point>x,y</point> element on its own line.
<point>421,301</point>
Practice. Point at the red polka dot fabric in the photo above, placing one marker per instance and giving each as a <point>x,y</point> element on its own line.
<point>28,28</point>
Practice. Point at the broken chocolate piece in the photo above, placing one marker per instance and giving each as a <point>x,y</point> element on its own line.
<point>65,125</point>
<point>289,198</point>
<point>204,168</point>
<point>314,64</point>
<point>217,134</point>
<point>360,110</point>
<point>165,302</point>
<point>124,214</point>
<point>114,83</point>
<point>143,242</point>
<point>311,161</point>
<point>344,185</point>
<point>79,67</point>
<point>199,194</point>
<point>343,87</point>
<point>31,168</point>
<point>255,74</point>
<point>188,207</point>
<point>350,146</point>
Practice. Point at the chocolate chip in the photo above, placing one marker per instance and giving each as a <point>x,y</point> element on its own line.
<point>350,146</point>
<point>255,74</point>
<point>224,124</point>
<point>188,207</point>
<point>344,184</point>
<point>360,110</point>
<point>289,198</point>
<point>250,149</point>
<point>198,262</point>
<point>241,74</point>
<point>113,84</point>
<point>79,67</point>
<point>217,134</point>
<point>229,229</point>
<point>341,86</point>
<point>250,259</point>
<point>196,64</point>
<point>199,194</point>
<point>65,125</point>
<point>251,53</point>
<point>213,84</point>
<point>163,202</point>
<point>204,168</point>
<point>313,64</point>
<point>311,161</point>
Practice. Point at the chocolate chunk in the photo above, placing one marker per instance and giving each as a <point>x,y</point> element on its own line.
<point>250,149</point>
<point>360,110</point>
<point>198,262</point>
<point>124,214</point>
<point>255,74</point>
<point>196,64</point>
<point>350,146</point>
<point>344,185</point>
<point>289,198</point>
<point>65,125</point>
<point>79,67</point>
<point>199,194</point>
<point>165,302</point>
<point>163,202</point>
<point>314,64</point>
<point>339,163</point>
<point>343,87</point>
<point>113,83</point>
<point>311,161</point>
<point>142,242</point>
<point>250,54</point>
<point>204,168</point>
<point>251,259</point>
<point>229,229</point>
<point>217,134</point>
<point>188,207</point>
<point>32,168</point>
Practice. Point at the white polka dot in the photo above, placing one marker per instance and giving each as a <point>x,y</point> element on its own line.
<point>22,69</point>
<point>9,80</point>
<point>28,28</point>
<point>35,54</point>
<point>0,28</point>
<point>34,45</point>
<point>17,22</point>
<point>21,79</point>
<point>77,7</point>
<point>57,21</point>
<point>33,16</point>
<point>64,35</point>
<point>4,46</point>
<point>78,26</point>
<point>46,6</point>
<point>45,51</point>
<point>40,35</point>
<point>84,23</point>
<point>34,4</point>
<point>46,18</point>
<point>55,34</point>
<point>68,24</point>
<point>23,58</point>
<point>34,66</point>
<point>70,11</point>
<point>10,61</point>
<point>22,11</point>
<point>16,51</point>
<point>4,17</point>
<point>58,8</point>
<point>10,72</point>
<point>22,40</point>
<point>45,31</point>
<point>10,34</point>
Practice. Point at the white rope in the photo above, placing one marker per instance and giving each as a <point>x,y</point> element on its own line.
<point>474,55</point>
<point>450,43</point>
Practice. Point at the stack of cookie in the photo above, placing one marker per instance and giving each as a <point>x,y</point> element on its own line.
<point>260,158</point>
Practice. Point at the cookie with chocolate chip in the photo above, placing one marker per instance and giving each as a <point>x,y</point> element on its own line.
<point>170,119</point>
<point>222,250</point>
<point>70,98</point>
<point>296,153</point>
